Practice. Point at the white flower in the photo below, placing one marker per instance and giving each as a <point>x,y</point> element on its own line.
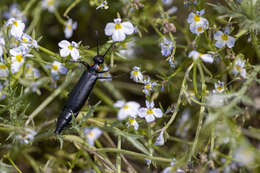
<point>239,68</point>
<point>148,86</point>
<point>149,113</point>
<point>219,87</point>
<point>68,48</point>
<point>17,27</point>
<point>32,72</point>
<point>27,137</point>
<point>57,68</point>
<point>3,70</point>
<point>128,49</point>
<point>173,169</point>
<point>27,40</point>
<point>103,5</point>
<point>119,30</point>
<point>126,109</point>
<point>18,57</point>
<point>92,134</point>
<point>205,57</point>
<point>14,12</point>
<point>70,26</point>
<point>166,47</point>
<point>224,39</point>
<point>132,122</point>
<point>160,139</point>
<point>136,74</point>
<point>197,23</point>
<point>49,4</point>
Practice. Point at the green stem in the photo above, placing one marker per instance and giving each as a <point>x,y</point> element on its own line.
<point>137,155</point>
<point>59,18</point>
<point>49,52</point>
<point>12,162</point>
<point>70,7</point>
<point>118,158</point>
<point>195,79</point>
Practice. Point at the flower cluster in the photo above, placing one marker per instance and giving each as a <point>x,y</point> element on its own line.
<point>198,24</point>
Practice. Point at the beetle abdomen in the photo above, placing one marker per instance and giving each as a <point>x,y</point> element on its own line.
<point>64,119</point>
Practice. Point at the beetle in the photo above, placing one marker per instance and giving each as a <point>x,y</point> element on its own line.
<point>81,91</point>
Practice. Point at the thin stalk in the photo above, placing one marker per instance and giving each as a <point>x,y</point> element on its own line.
<point>12,162</point>
<point>195,79</point>
<point>59,18</point>
<point>70,8</point>
<point>118,158</point>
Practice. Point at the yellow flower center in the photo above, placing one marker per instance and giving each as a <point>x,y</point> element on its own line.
<point>15,23</point>
<point>238,68</point>
<point>2,66</point>
<point>118,26</point>
<point>131,121</point>
<point>55,67</point>
<point>50,2</point>
<point>91,134</point>
<point>19,58</point>
<point>149,111</point>
<point>196,18</point>
<point>200,29</point>
<point>24,39</point>
<point>148,86</point>
<point>200,55</point>
<point>69,27</point>
<point>70,47</point>
<point>219,88</point>
<point>126,107</point>
<point>224,37</point>
<point>135,73</point>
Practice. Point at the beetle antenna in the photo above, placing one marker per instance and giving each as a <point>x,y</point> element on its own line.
<point>109,48</point>
<point>97,43</point>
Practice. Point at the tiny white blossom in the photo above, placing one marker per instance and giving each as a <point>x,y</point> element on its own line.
<point>127,49</point>
<point>17,27</point>
<point>3,70</point>
<point>27,137</point>
<point>149,113</point>
<point>219,87</point>
<point>49,4</point>
<point>160,139</point>
<point>136,74</point>
<point>216,100</point>
<point>57,68</point>
<point>103,5</point>
<point>223,39</point>
<point>205,57</point>
<point>92,134</point>
<point>119,30</point>
<point>18,56</point>
<point>68,48</point>
<point>127,109</point>
<point>132,122</point>
<point>238,68</point>
<point>197,23</point>
<point>32,72</point>
<point>244,155</point>
<point>167,2</point>
<point>148,86</point>
<point>166,47</point>
<point>14,12</point>
<point>69,27</point>
<point>27,40</point>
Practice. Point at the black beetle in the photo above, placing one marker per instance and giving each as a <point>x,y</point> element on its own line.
<point>81,90</point>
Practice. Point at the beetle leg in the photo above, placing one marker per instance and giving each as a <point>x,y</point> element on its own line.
<point>81,62</point>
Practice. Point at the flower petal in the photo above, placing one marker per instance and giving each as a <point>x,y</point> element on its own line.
<point>110,29</point>
<point>220,44</point>
<point>149,118</point>
<point>157,112</point>
<point>119,104</point>
<point>118,35</point>
<point>64,52</point>
<point>75,54</point>
<point>122,114</point>
<point>64,44</point>
<point>128,28</point>
<point>207,58</point>
<point>217,35</point>
<point>231,42</point>
<point>142,112</point>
